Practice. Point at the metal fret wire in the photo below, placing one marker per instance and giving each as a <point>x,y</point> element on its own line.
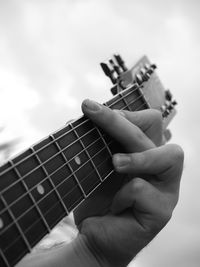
<point>123,108</point>
<point>48,176</point>
<point>128,91</point>
<point>73,188</point>
<point>4,258</point>
<point>72,172</point>
<point>59,152</point>
<point>61,183</point>
<point>87,153</point>
<point>83,150</point>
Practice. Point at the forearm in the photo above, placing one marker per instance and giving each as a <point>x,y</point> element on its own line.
<point>74,254</point>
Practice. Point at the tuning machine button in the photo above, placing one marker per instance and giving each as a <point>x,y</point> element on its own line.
<point>120,62</point>
<point>174,103</point>
<point>168,95</point>
<point>153,66</point>
<point>146,66</point>
<point>139,79</point>
<point>108,72</point>
<point>115,67</point>
<point>166,113</point>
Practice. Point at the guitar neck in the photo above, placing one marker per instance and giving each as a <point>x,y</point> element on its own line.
<point>49,180</point>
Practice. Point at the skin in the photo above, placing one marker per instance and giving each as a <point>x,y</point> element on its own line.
<point>142,207</point>
<point>120,218</point>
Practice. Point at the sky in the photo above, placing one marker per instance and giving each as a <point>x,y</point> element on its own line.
<point>49,62</point>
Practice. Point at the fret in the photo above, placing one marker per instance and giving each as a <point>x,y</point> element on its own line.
<point>134,98</point>
<point>46,194</point>
<point>93,177</point>
<point>8,227</point>
<point>125,102</point>
<point>99,145</point>
<point>64,206</point>
<point>50,158</point>
<point>23,245</point>
<point>19,203</point>
<point>102,138</point>
<point>30,194</point>
<point>3,260</point>
<point>68,152</point>
<point>70,192</point>
<point>142,107</point>
<point>117,103</point>
<point>103,161</point>
<point>8,177</point>
<point>146,102</point>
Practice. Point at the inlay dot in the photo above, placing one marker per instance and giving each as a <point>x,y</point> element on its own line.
<point>40,189</point>
<point>1,223</point>
<point>77,160</point>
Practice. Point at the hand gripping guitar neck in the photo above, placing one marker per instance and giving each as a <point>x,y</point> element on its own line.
<point>46,182</point>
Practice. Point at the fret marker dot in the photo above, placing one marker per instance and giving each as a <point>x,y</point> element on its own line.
<point>40,189</point>
<point>77,160</point>
<point>1,223</point>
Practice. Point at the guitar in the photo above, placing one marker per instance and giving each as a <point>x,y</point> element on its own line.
<point>46,182</point>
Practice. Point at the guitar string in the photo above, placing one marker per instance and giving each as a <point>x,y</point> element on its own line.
<point>75,187</point>
<point>127,92</point>
<point>78,200</point>
<point>59,153</point>
<point>96,185</point>
<point>81,198</point>
<point>56,154</point>
<point>54,172</point>
<point>135,101</point>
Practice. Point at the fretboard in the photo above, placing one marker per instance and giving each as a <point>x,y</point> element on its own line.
<point>49,180</point>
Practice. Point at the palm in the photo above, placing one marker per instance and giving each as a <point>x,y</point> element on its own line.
<point>115,236</point>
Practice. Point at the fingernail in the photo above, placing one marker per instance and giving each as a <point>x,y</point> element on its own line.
<point>92,105</point>
<point>121,160</point>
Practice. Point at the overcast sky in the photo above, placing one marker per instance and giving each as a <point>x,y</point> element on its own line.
<point>49,62</point>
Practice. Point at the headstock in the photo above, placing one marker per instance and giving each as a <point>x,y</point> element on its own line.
<point>143,73</point>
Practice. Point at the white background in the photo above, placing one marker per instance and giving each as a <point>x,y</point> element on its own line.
<point>49,56</point>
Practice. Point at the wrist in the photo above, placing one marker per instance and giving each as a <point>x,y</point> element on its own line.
<point>85,254</point>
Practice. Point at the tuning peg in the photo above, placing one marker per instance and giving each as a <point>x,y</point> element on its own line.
<point>139,79</point>
<point>150,71</point>
<point>145,76</point>
<point>165,113</point>
<point>174,103</point>
<point>108,72</point>
<point>168,95</point>
<point>120,62</point>
<point>170,107</point>
<point>153,66</point>
<point>115,67</point>
<point>142,71</point>
<point>114,90</point>
<point>146,66</point>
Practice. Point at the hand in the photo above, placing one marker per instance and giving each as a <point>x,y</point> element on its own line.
<point>141,208</point>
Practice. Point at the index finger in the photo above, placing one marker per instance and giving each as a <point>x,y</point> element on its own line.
<point>125,132</point>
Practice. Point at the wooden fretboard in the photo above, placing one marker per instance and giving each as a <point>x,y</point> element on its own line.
<point>49,180</point>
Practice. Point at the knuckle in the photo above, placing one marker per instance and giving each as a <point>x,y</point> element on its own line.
<point>137,185</point>
<point>162,219</point>
<point>166,216</point>
<point>178,154</point>
<point>113,116</point>
<point>157,116</point>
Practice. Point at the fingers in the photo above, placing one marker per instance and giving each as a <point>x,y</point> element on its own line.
<point>129,194</point>
<point>115,124</point>
<point>144,198</point>
<point>149,121</point>
<point>164,161</point>
<point>167,135</point>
